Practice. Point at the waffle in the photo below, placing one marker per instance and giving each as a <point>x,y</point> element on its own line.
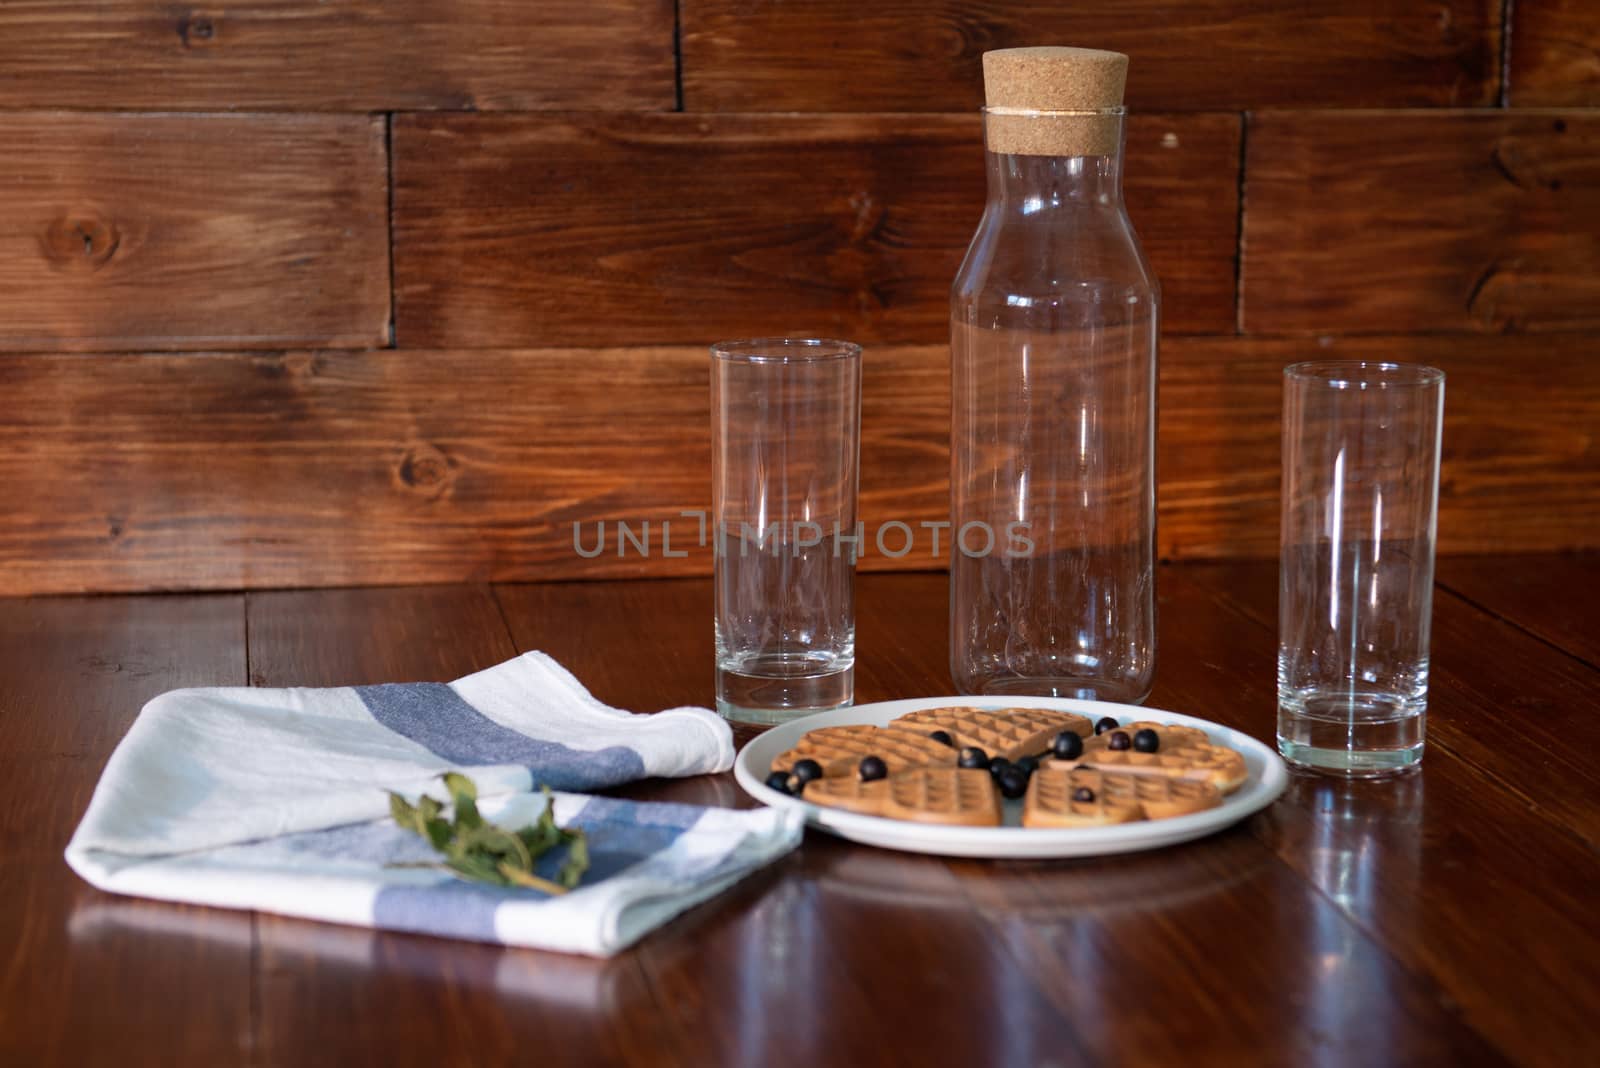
<point>1119,797</point>
<point>1010,732</point>
<point>1082,726</point>
<point>964,797</point>
<point>840,749</point>
<point>1048,802</point>
<point>849,793</point>
<point>1221,767</point>
<point>1172,735</point>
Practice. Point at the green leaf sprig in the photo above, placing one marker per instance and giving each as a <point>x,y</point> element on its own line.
<point>478,851</point>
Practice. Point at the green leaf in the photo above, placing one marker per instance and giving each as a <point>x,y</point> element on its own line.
<point>498,842</point>
<point>577,861</point>
<point>467,813</point>
<point>464,796</point>
<point>540,838</point>
<point>437,832</point>
<point>402,811</point>
<point>477,869</point>
<point>479,851</point>
<point>459,786</point>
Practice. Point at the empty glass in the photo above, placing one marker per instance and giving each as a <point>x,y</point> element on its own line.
<point>785,431</point>
<point>1355,599</point>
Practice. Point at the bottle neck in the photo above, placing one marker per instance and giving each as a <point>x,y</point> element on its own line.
<point>1026,185</point>
<point>1048,160</point>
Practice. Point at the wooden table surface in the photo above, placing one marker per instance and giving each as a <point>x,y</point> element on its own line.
<point>1448,918</point>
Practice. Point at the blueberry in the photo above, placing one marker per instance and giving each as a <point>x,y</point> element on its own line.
<point>1106,724</point>
<point>1068,746</point>
<point>797,785</point>
<point>1029,764</point>
<point>1147,741</point>
<point>1083,793</point>
<point>973,757</point>
<point>1013,781</point>
<point>1119,740</point>
<point>943,738</point>
<point>806,770</point>
<point>996,763</point>
<point>873,768</point>
<point>778,781</point>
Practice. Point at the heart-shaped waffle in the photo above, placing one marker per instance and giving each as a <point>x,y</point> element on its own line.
<point>840,749</point>
<point>1010,732</point>
<point>849,793</point>
<point>958,796</point>
<point>1218,765</point>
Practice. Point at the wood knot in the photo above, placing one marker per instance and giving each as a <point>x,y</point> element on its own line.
<point>1536,164</point>
<point>424,470</point>
<point>1495,298</point>
<point>867,217</point>
<point>80,240</point>
<point>196,30</point>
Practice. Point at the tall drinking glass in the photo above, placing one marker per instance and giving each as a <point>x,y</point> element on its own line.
<point>1355,597</point>
<point>785,432</point>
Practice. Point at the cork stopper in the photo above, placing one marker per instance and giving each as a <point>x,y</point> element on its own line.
<point>1019,80</point>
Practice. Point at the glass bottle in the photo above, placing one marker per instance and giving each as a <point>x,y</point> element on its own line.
<point>1053,334</point>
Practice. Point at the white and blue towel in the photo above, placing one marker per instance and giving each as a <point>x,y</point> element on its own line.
<point>276,800</point>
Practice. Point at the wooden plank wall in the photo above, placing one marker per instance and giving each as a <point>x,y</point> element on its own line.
<point>317,292</point>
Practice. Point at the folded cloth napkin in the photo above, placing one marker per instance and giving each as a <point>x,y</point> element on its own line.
<point>276,800</point>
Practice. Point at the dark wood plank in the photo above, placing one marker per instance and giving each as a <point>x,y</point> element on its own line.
<point>90,978</point>
<point>1231,934</point>
<point>585,625</point>
<point>1412,865</point>
<point>1415,862</point>
<point>1467,221</point>
<point>308,56</point>
<point>229,471</point>
<point>1554,598</point>
<point>852,941</point>
<point>1003,947</point>
<point>336,995</point>
<point>1555,54</point>
<point>842,948</point>
<point>336,469</point>
<point>1537,694</point>
<point>648,229</point>
<point>1520,467</point>
<point>1390,959</point>
<point>358,637</point>
<point>742,55</point>
<point>192,231</point>
<point>77,672</point>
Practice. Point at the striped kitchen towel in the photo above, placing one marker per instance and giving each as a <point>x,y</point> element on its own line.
<point>276,800</point>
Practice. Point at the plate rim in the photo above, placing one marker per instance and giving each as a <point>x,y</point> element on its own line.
<point>1269,777</point>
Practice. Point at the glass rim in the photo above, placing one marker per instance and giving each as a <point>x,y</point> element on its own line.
<point>1049,113</point>
<point>1364,374</point>
<point>784,350</point>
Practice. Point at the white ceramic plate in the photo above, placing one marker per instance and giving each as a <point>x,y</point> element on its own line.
<point>1268,777</point>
